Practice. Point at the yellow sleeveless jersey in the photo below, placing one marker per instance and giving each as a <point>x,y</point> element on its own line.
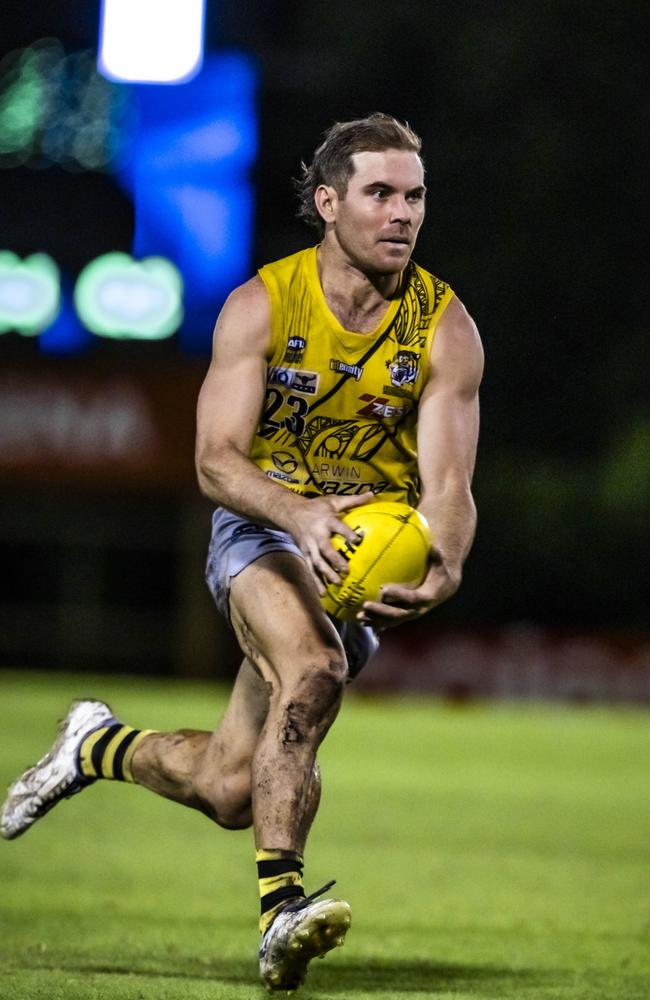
<point>340,413</point>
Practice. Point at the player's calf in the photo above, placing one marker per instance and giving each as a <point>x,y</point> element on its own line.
<point>225,797</point>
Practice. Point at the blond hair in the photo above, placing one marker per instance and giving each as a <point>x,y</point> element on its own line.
<point>332,162</point>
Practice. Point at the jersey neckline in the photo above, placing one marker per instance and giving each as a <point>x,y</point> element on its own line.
<point>351,340</point>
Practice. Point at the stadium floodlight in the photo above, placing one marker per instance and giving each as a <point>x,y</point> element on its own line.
<point>30,292</point>
<point>151,41</point>
<point>116,296</point>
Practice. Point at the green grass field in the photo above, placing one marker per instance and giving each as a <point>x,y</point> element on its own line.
<point>492,851</point>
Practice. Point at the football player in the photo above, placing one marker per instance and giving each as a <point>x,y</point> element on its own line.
<point>346,357</point>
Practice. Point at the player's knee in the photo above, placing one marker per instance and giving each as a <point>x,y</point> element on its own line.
<point>323,676</point>
<point>309,699</point>
<point>325,684</point>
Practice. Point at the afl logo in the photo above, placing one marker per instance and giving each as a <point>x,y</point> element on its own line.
<point>296,343</point>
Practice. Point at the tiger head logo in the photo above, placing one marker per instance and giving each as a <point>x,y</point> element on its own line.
<point>404,368</point>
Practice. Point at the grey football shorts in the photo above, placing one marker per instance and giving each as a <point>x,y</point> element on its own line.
<point>236,543</point>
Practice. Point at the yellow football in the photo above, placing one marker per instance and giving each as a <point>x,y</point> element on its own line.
<point>394,548</point>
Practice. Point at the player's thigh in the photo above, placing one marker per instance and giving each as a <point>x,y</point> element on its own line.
<point>278,619</point>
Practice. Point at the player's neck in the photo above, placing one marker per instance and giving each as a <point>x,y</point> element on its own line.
<point>358,300</point>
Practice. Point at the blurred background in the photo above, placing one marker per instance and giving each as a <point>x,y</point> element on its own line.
<point>129,210</point>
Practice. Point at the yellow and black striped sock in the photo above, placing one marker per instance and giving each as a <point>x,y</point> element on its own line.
<point>107,752</point>
<point>280,878</point>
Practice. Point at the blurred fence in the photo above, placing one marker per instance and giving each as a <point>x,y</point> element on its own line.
<point>105,424</point>
<point>519,661</point>
<point>104,535</point>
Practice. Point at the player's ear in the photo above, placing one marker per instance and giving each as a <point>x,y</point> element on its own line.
<point>326,201</point>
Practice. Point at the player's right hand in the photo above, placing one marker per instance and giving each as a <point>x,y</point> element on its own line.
<point>314,523</point>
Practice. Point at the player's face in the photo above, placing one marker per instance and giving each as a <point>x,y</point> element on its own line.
<point>378,220</point>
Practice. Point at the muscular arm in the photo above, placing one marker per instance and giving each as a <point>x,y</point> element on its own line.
<point>448,422</point>
<point>228,413</point>
<point>229,408</point>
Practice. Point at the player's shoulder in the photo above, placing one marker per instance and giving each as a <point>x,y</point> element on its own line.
<point>457,323</point>
<point>284,276</point>
<point>244,322</point>
<point>457,346</point>
<point>247,304</point>
<point>432,292</point>
<point>455,317</point>
<point>287,265</point>
<point>247,295</point>
<point>417,270</point>
<point>254,298</point>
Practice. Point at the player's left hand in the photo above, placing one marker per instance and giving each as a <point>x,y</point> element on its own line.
<point>402,604</point>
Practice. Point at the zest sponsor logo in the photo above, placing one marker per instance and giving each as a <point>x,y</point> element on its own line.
<point>378,406</point>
